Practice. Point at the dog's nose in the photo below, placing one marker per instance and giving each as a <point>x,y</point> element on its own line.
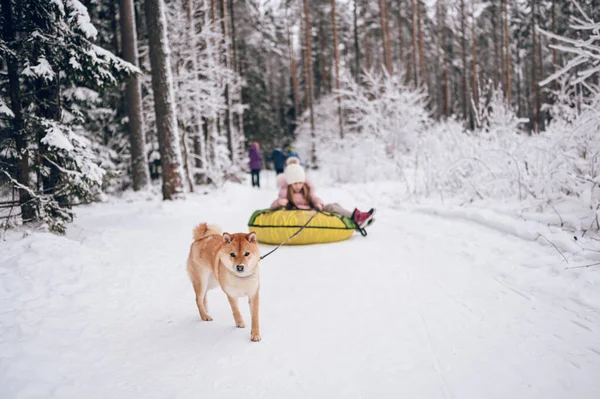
<point>240,268</point>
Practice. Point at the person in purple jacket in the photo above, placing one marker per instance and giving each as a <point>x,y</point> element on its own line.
<point>255,163</point>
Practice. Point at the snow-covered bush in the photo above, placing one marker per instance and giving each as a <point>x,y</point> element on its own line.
<point>390,136</point>
<point>383,121</point>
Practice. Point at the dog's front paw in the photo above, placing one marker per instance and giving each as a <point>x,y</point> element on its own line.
<point>206,318</point>
<point>240,324</point>
<point>255,337</point>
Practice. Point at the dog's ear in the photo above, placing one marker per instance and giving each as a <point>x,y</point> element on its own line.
<point>252,238</point>
<point>227,238</point>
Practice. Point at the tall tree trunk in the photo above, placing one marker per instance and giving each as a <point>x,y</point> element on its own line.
<point>227,64</point>
<point>294,72</point>
<point>323,86</point>
<point>366,41</point>
<point>421,46</point>
<point>213,12</point>
<point>519,85</point>
<point>356,47</point>
<point>164,102</point>
<point>474,55</point>
<point>507,51</point>
<point>406,50</point>
<point>387,53</point>
<point>238,118</point>
<point>187,166</point>
<point>413,13</point>
<point>441,13</point>
<point>367,52</point>
<point>496,61</point>
<point>465,101</point>
<point>198,138</point>
<point>400,35</point>
<point>133,98</point>
<point>234,56</point>
<point>554,51</point>
<point>309,83</point>
<point>541,94</point>
<point>336,54</point>
<point>502,64</point>
<point>28,211</point>
<point>534,78</point>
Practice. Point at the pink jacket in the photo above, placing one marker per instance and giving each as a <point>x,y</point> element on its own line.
<point>299,199</point>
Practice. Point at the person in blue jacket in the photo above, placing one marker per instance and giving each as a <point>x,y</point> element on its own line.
<point>278,158</point>
<point>292,153</point>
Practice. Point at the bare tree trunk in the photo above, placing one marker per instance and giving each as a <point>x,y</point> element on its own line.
<point>323,84</point>
<point>408,53</point>
<point>387,53</point>
<point>414,40</point>
<point>199,139</point>
<point>474,55</point>
<point>294,73</point>
<point>400,34</point>
<point>309,83</point>
<point>227,94</point>
<point>507,51</point>
<point>164,103</point>
<point>336,53</point>
<point>133,98</point>
<point>367,52</point>
<point>502,64</point>
<point>496,61</point>
<point>464,59</point>
<point>541,94</point>
<point>356,47</point>
<point>187,172</point>
<point>234,50</point>
<point>441,12</point>
<point>534,80</point>
<point>213,14</point>
<point>367,43</point>
<point>519,85</point>
<point>421,46</point>
<point>28,211</point>
<point>554,51</point>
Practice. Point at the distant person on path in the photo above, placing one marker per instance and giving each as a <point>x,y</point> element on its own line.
<point>278,158</point>
<point>255,163</point>
<point>292,153</point>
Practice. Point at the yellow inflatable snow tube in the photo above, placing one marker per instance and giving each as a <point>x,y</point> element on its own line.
<point>275,226</point>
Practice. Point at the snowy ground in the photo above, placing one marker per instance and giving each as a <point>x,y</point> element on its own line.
<point>427,306</point>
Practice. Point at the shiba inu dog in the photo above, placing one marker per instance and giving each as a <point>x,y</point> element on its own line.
<point>229,261</point>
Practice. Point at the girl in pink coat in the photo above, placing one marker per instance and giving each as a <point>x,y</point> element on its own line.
<point>297,192</point>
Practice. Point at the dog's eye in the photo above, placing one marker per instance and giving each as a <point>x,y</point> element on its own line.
<point>247,254</point>
<point>232,255</point>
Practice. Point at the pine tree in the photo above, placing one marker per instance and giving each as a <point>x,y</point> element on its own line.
<point>56,73</point>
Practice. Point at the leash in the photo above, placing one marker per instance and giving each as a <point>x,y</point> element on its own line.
<point>292,236</point>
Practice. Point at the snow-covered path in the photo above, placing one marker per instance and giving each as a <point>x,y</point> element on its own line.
<point>424,307</point>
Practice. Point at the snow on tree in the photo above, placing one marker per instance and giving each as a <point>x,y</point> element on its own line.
<point>52,56</point>
<point>585,53</point>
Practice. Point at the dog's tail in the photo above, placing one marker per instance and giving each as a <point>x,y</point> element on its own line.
<point>204,230</point>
